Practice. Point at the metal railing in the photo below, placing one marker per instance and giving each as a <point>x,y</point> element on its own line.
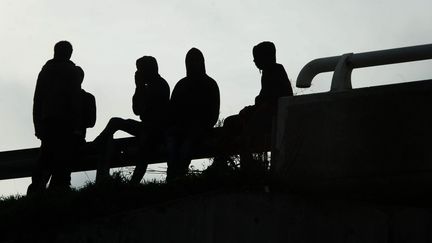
<point>344,64</point>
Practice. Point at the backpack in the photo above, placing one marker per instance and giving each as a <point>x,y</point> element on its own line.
<point>88,115</point>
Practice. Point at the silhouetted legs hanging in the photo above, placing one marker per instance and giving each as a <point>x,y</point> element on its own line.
<point>248,130</point>
<point>180,146</point>
<point>105,140</point>
<point>150,138</point>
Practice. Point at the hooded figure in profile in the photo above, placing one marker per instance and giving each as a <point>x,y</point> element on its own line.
<point>254,122</point>
<point>274,79</point>
<point>194,110</point>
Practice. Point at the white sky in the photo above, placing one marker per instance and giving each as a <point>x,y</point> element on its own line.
<point>108,36</point>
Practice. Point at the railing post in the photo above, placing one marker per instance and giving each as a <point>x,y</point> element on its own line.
<point>342,75</point>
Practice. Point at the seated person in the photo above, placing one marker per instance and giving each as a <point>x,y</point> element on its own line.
<point>150,103</point>
<point>194,110</point>
<point>256,120</point>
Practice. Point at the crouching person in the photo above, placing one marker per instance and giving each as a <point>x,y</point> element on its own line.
<point>150,103</point>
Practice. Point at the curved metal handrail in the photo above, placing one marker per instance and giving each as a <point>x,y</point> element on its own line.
<point>343,65</point>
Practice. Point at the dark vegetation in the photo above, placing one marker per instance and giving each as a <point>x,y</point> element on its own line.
<point>42,215</point>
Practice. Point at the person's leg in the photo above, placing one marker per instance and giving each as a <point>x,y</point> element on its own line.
<point>235,130</point>
<point>178,147</point>
<point>150,140</point>
<point>173,142</point>
<point>106,138</point>
<point>103,167</point>
<point>185,155</point>
<point>232,127</point>
<point>115,124</point>
<point>42,172</point>
<point>67,149</point>
<point>191,140</point>
<point>256,126</point>
<point>139,172</point>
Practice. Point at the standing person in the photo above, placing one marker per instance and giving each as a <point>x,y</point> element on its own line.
<point>56,117</point>
<point>256,120</point>
<point>150,103</point>
<point>194,110</point>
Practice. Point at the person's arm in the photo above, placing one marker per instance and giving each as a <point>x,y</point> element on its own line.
<point>158,96</point>
<point>136,102</point>
<point>259,99</point>
<point>215,107</point>
<point>274,84</point>
<point>210,105</point>
<point>76,101</point>
<point>37,105</point>
<point>138,99</point>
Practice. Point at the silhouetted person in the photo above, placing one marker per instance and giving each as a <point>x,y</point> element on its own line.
<point>194,110</point>
<point>150,103</point>
<point>88,108</point>
<point>256,120</point>
<point>56,117</point>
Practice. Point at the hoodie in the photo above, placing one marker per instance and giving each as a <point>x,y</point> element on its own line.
<point>195,100</point>
<point>56,102</point>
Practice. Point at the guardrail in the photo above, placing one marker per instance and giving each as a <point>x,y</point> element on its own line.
<point>20,163</point>
<point>344,64</point>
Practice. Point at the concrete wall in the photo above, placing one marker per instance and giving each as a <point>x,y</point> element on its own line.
<point>258,217</point>
<point>239,217</point>
<point>375,138</point>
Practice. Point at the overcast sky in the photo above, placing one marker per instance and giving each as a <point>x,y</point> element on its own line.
<point>109,35</point>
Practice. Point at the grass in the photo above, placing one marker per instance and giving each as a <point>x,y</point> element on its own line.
<point>41,215</point>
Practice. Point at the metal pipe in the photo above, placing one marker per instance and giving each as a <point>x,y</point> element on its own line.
<point>365,59</point>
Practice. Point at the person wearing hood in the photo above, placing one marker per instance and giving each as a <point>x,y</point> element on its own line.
<point>150,103</point>
<point>194,110</point>
<point>254,121</point>
<point>56,118</point>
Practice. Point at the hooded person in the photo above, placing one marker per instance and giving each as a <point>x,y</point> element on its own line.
<point>194,110</point>
<point>274,79</point>
<point>150,103</point>
<point>56,118</point>
<point>151,97</point>
<point>253,122</point>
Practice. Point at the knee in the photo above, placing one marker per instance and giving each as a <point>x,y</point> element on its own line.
<point>230,120</point>
<point>233,123</point>
<point>115,121</point>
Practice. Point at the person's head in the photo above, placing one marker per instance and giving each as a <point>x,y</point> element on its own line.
<point>147,65</point>
<point>79,74</point>
<point>63,50</point>
<point>195,62</point>
<point>264,54</point>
